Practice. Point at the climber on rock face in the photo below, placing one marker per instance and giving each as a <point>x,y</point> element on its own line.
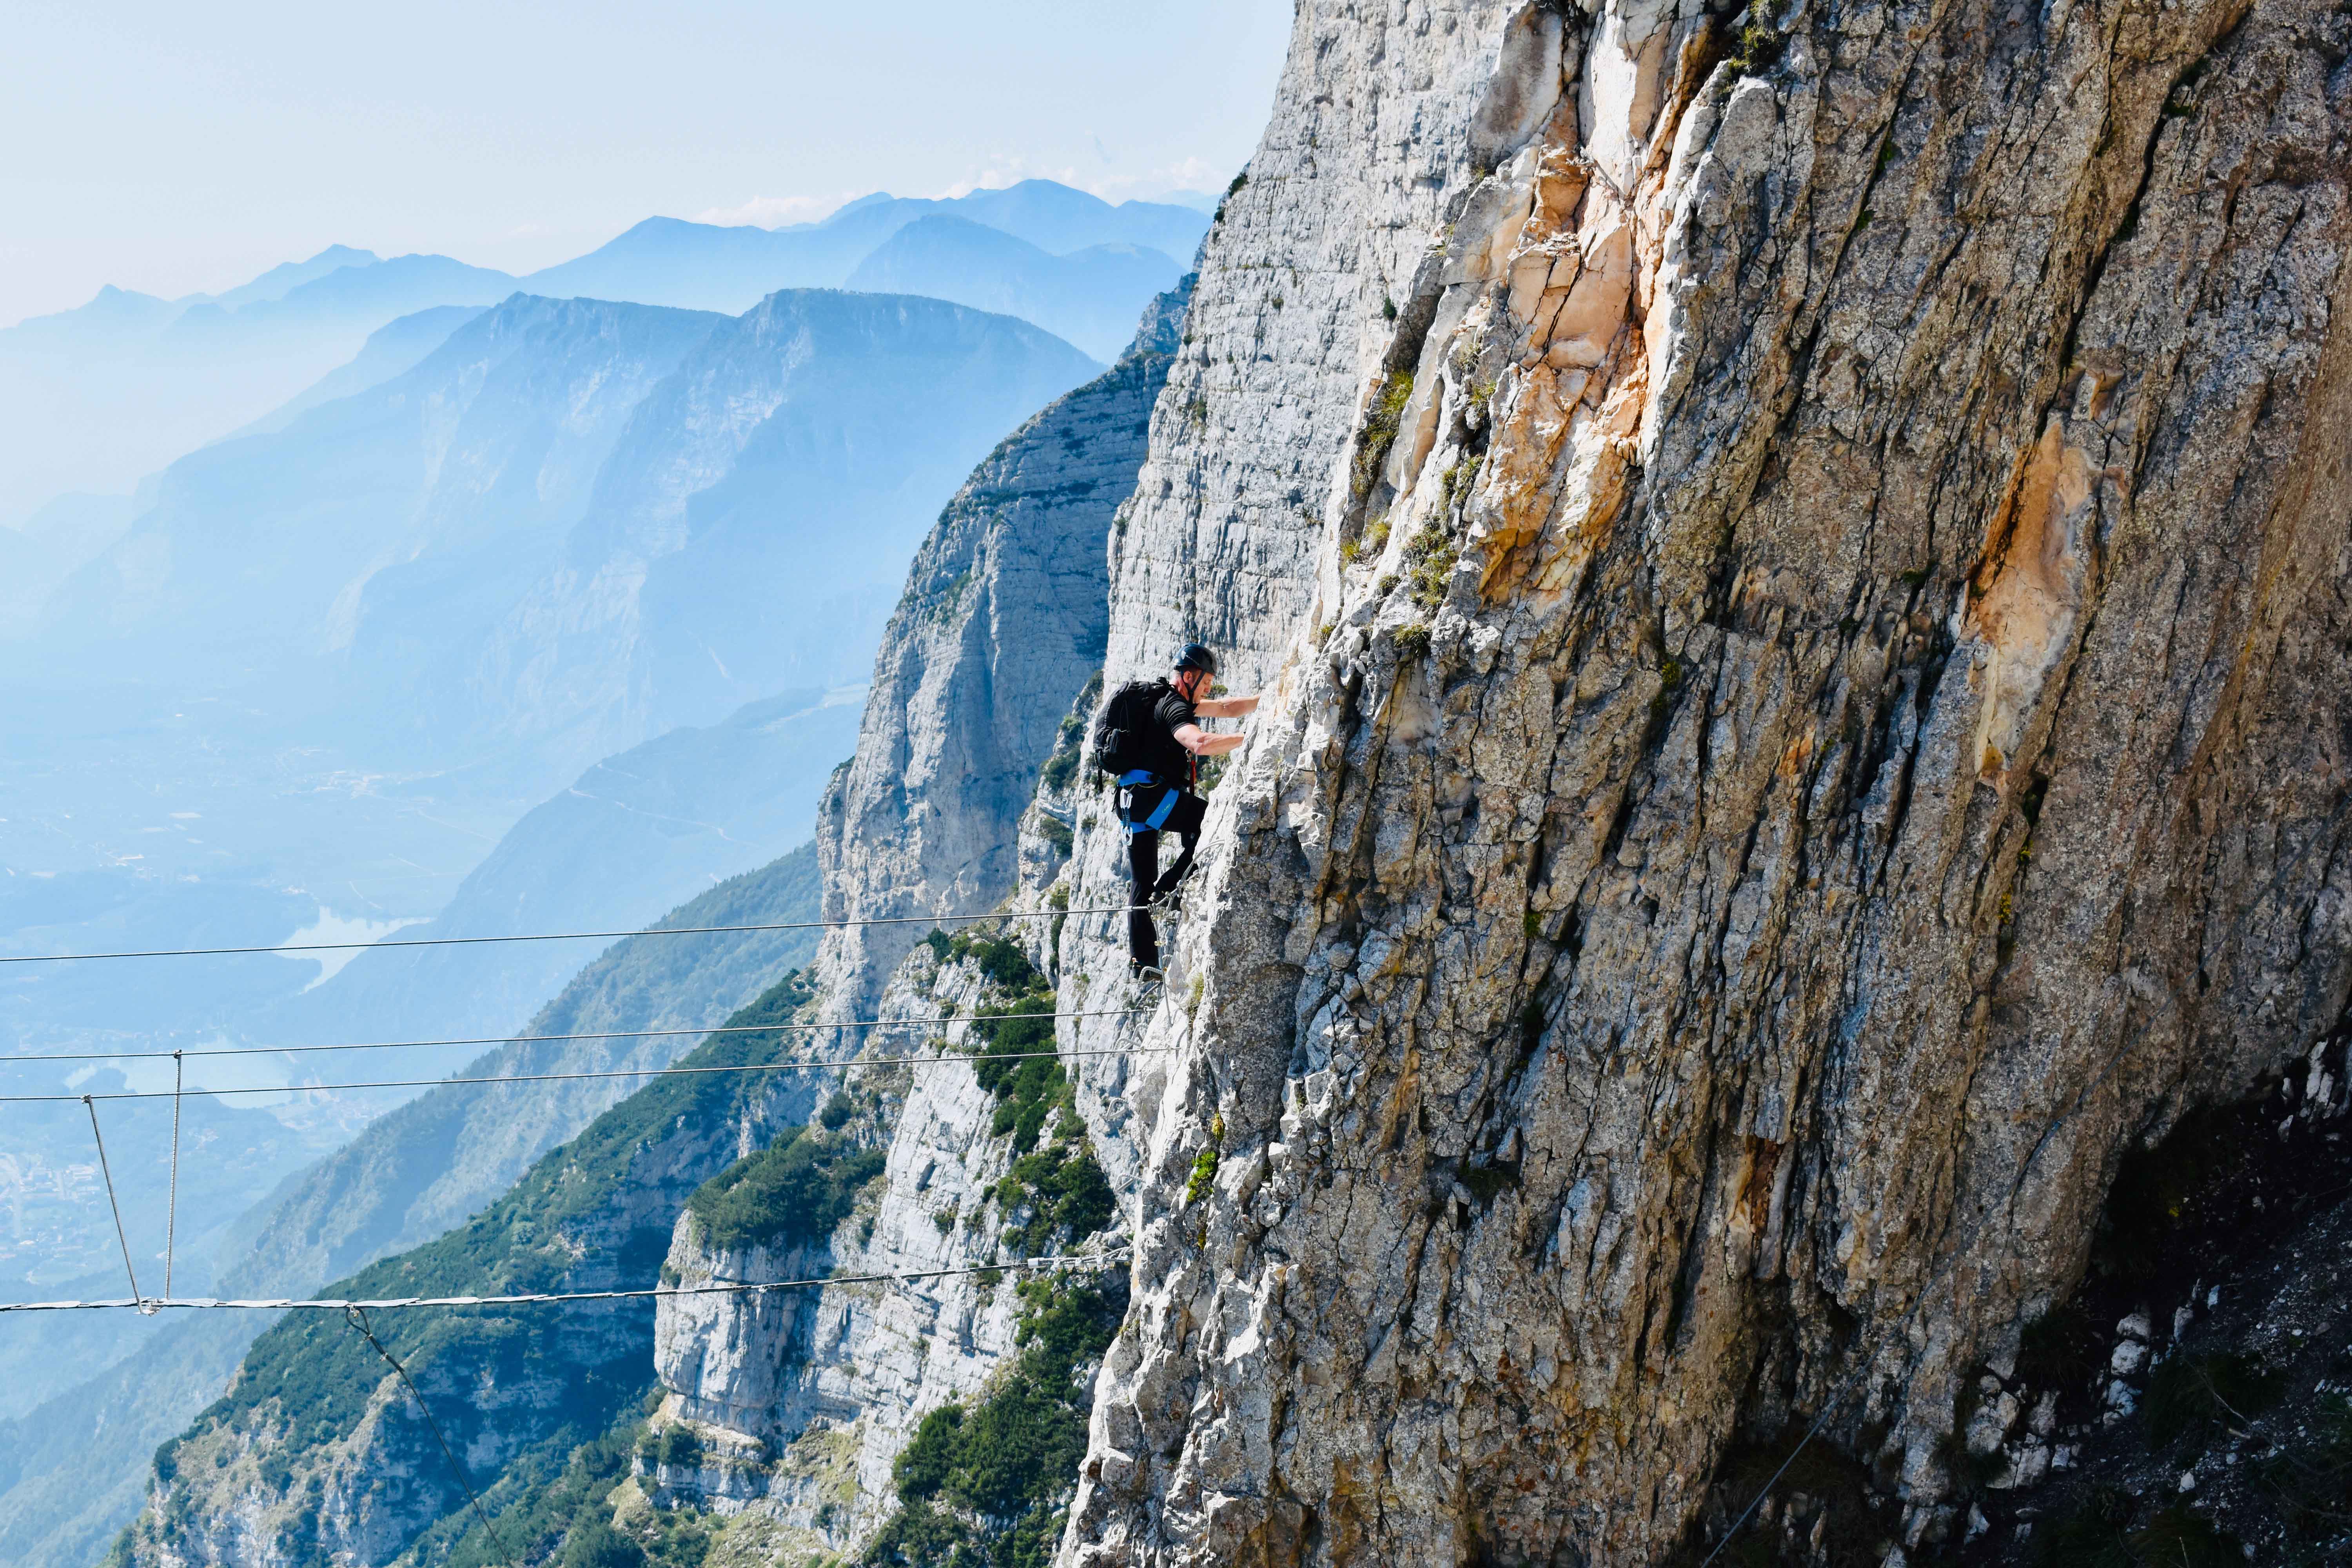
<point>1147,737</point>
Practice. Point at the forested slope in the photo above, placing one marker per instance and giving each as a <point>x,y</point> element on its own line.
<point>316,1449</point>
<point>75,1468</point>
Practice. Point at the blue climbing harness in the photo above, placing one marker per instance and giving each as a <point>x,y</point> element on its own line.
<point>1136,778</point>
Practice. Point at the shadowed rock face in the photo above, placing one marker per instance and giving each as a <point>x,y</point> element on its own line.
<point>1804,581</point>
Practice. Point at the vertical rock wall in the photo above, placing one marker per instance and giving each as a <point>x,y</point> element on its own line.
<point>1002,623</point>
<point>1813,719</point>
<point>801,1403</point>
<point>802,1400</point>
<point>1314,255</point>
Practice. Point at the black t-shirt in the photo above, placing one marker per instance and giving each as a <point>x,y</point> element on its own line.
<point>1171,761</point>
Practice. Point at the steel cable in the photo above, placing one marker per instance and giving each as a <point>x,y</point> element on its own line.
<point>121,1235</point>
<point>357,1317</point>
<point>550,936</point>
<point>616,1073</point>
<point>723,1287</point>
<point>172,1204</point>
<point>536,1039</point>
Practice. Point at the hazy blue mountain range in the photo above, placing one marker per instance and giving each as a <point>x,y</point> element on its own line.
<point>1088,295</point>
<point>1203,202</point>
<point>377,290</point>
<point>287,276</point>
<point>1055,217</point>
<point>50,546</point>
<point>390,350</point>
<point>668,261</point>
<point>571,525</point>
<point>752,525</point>
<point>94,397</point>
<point>97,1397</point>
<point>335,666</point>
<point>496,439</point>
<point>637,832</point>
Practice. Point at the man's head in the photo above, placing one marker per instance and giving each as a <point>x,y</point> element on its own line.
<point>1196,666</point>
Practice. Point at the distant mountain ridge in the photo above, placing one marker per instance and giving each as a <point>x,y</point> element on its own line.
<point>745,535</point>
<point>820,253</point>
<point>350,654</point>
<point>376,291</point>
<point>391,350</point>
<point>97,397</point>
<point>637,832</point>
<point>496,434</point>
<point>1087,296</point>
<point>289,276</point>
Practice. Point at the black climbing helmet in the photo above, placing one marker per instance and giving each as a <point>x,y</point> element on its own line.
<point>1196,656</point>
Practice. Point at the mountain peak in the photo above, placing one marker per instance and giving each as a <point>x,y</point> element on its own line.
<point>343,256</point>
<point>287,276</point>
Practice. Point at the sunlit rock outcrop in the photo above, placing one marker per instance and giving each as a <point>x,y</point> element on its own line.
<point>1805,715</point>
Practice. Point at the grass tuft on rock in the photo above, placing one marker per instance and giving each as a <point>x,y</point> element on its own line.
<point>2192,1393</point>
<point>1381,422</point>
<point>1430,556</point>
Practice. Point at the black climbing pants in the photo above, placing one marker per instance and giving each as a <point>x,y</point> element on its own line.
<point>1180,815</point>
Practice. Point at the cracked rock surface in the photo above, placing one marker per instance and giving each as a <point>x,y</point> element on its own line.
<point>1802,577</point>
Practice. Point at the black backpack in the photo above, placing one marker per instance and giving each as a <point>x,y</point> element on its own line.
<point>1122,734</point>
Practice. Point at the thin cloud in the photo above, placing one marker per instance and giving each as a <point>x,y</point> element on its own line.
<point>1187,174</point>
<point>773,212</point>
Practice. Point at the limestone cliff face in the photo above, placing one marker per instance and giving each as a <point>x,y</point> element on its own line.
<point>1001,625</point>
<point>801,1401</point>
<point>1357,172</point>
<point>1803,575</point>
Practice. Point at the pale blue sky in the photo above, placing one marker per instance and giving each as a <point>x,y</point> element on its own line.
<point>171,148</point>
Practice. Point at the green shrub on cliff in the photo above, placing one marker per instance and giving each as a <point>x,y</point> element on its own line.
<point>1060,1187</point>
<point>790,1194</point>
<point>309,1381</point>
<point>984,1486</point>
